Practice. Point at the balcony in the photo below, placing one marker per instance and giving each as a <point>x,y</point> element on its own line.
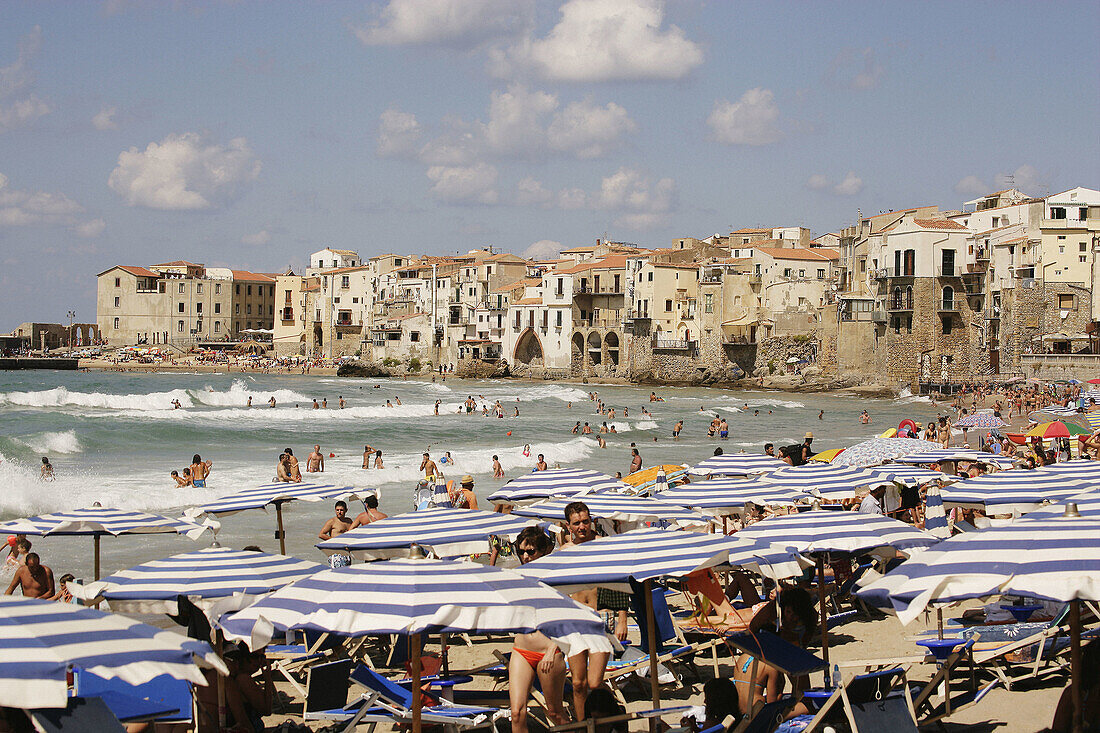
<point>711,280</point>
<point>948,271</point>
<point>878,316</point>
<point>900,305</point>
<point>754,278</point>
<point>608,321</point>
<point>993,313</point>
<point>974,287</point>
<point>673,344</point>
<point>981,254</point>
<point>947,306</point>
<point>888,272</point>
<point>288,314</point>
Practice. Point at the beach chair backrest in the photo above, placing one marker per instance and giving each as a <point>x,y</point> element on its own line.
<point>874,686</point>
<point>769,717</point>
<point>777,652</point>
<point>81,715</point>
<point>662,616</point>
<point>327,685</point>
<point>160,692</point>
<point>386,689</point>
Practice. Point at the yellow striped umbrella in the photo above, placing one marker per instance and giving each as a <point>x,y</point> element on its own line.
<point>827,456</point>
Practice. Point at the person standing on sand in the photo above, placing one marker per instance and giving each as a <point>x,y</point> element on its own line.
<point>315,462</point>
<point>34,579</point>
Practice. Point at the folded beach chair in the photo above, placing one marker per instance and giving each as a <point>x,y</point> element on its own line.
<point>81,715</point>
<point>878,701</point>
<point>940,685</point>
<point>292,660</point>
<point>673,647</point>
<point>163,699</point>
<point>766,717</point>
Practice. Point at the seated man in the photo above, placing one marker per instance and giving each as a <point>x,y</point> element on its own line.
<point>370,514</point>
<point>33,578</point>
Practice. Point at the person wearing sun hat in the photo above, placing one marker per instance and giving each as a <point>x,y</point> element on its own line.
<point>465,498</point>
<point>807,451</point>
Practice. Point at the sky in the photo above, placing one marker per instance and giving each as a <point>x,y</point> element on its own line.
<point>249,134</point>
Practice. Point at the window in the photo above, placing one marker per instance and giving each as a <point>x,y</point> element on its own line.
<point>198,307</point>
<point>249,309</point>
<point>414,336</point>
<point>118,282</point>
<point>802,273</point>
<point>1057,212</point>
<point>180,307</point>
<point>1083,213</point>
<point>1082,258</point>
<point>946,325</point>
<point>1061,237</point>
<point>181,287</point>
<point>557,319</point>
<point>160,287</point>
<point>179,326</point>
<point>116,324</point>
<point>1061,249</point>
<point>198,288</point>
<point>1082,247</point>
<point>820,274</point>
<point>217,291</point>
<point>236,309</point>
<point>650,277</point>
<point>616,290</point>
<point>334,300</point>
<point>118,302</point>
<point>787,272</point>
<point>708,303</point>
<point>217,308</point>
<point>949,298</point>
<point>1066,302</point>
<point>397,262</point>
<point>668,306</point>
<point>250,290</point>
<point>217,326</point>
<point>238,286</point>
<point>345,281</point>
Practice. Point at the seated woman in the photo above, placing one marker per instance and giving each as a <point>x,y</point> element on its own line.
<point>713,609</point>
<point>766,683</point>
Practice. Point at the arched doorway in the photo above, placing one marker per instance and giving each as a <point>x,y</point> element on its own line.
<point>528,349</point>
<point>576,353</point>
<point>611,341</point>
<point>594,353</point>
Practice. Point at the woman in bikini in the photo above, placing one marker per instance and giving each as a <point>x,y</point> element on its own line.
<point>534,654</point>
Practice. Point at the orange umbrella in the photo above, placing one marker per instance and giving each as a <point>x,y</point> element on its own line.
<point>827,456</point>
<point>1055,429</point>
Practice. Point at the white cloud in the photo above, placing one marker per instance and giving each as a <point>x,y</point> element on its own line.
<point>472,184</point>
<point>105,119</point>
<point>589,130</point>
<point>644,203</point>
<point>750,120</point>
<point>90,228</point>
<point>604,40</point>
<point>18,104</point>
<point>257,239</point>
<point>1026,178</point>
<point>530,192</point>
<point>544,249</point>
<point>850,186</point>
<point>972,186</point>
<point>516,120</point>
<point>184,173</point>
<point>398,133</point>
<point>459,24</point>
<point>27,208</point>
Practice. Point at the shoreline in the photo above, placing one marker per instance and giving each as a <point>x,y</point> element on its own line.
<point>783,383</point>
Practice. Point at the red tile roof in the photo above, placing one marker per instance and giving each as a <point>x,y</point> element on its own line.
<point>248,276</point>
<point>139,271</point>
<point>939,224</point>
<point>799,253</point>
<point>178,263</point>
<point>611,262</point>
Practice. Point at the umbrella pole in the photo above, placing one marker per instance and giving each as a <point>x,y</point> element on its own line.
<point>219,644</point>
<point>95,561</point>
<point>414,657</point>
<point>651,635</point>
<point>823,612</point>
<point>1075,664</point>
<point>446,661</point>
<point>281,533</point>
<point>939,624</point>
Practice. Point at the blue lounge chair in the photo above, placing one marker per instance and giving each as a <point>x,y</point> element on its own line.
<point>81,715</point>
<point>163,699</point>
<point>878,701</point>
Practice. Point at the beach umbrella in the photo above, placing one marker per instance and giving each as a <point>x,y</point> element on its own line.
<point>827,456</point>
<point>737,464</point>
<point>1094,381</point>
<point>1007,492</point>
<point>1093,419</point>
<point>1077,470</point>
<point>1053,554</point>
<point>556,482</point>
<point>935,516</point>
<point>412,596</point>
<point>41,640</point>
<point>981,420</point>
<point>276,494</point>
<point>958,454</point>
<point>900,473</point>
<point>879,450</point>
<point>446,532</point>
<point>645,480</point>
<point>825,480</point>
<point>96,521</point>
<point>644,555</point>
<point>821,532</point>
<point>1055,429</point>
<point>616,507</point>
<point>725,496</point>
<point>205,577</point>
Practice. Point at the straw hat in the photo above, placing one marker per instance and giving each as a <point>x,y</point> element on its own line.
<point>808,436</point>
<point>467,479</point>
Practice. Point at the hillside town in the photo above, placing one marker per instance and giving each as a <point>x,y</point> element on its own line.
<point>910,297</point>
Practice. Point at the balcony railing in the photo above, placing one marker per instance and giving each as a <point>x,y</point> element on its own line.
<point>947,271</point>
<point>901,305</point>
<point>878,316</point>
<point>947,306</point>
<point>672,344</point>
<point>974,287</point>
<point>981,254</point>
<point>992,314</point>
<point>711,279</point>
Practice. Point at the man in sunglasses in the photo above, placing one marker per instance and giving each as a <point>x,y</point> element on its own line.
<point>534,654</point>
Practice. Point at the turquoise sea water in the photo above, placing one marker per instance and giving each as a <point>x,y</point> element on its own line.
<point>114,438</point>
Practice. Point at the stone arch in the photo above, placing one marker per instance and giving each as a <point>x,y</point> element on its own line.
<point>611,342</point>
<point>318,338</point>
<point>594,348</point>
<point>528,349</point>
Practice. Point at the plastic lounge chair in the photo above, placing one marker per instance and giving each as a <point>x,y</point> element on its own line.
<point>386,700</point>
<point>878,701</point>
<point>81,715</point>
<point>326,688</point>
<point>766,717</point>
<point>926,711</point>
<point>667,633</point>
<point>290,660</point>
<point>163,699</point>
<point>770,649</point>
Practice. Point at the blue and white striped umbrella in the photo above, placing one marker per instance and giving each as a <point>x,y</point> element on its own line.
<point>41,640</point>
<point>905,475</point>
<point>410,596</point>
<point>446,532</point>
<point>617,507</point>
<point>724,496</point>
<point>981,420</point>
<point>878,450</point>
<point>935,516</point>
<point>824,480</point>
<point>644,554</point>
<point>958,454</point>
<point>1050,556</point>
<point>204,577</point>
<point>737,464</point>
<point>554,483</point>
<point>835,531</point>
<point>1076,470</point>
<point>1006,492</point>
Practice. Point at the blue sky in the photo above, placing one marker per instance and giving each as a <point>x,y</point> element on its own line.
<point>250,134</point>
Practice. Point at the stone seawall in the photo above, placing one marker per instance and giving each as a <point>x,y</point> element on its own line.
<point>20,362</point>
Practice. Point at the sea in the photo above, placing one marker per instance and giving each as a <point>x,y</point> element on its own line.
<point>114,438</point>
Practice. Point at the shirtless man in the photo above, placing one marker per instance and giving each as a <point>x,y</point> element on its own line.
<point>283,470</point>
<point>370,513</point>
<point>534,654</point>
<point>465,498</point>
<point>33,578</point>
<point>292,467</point>
<point>368,452</point>
<point>185,480</point>
<point>428,467</point>
<point>635,460</point>
<point>338,524</point>
<point>540,464</point>
<point>315,405</point>
<point>587,668</point>
<point>200,469</point>
<point>315,462</point>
